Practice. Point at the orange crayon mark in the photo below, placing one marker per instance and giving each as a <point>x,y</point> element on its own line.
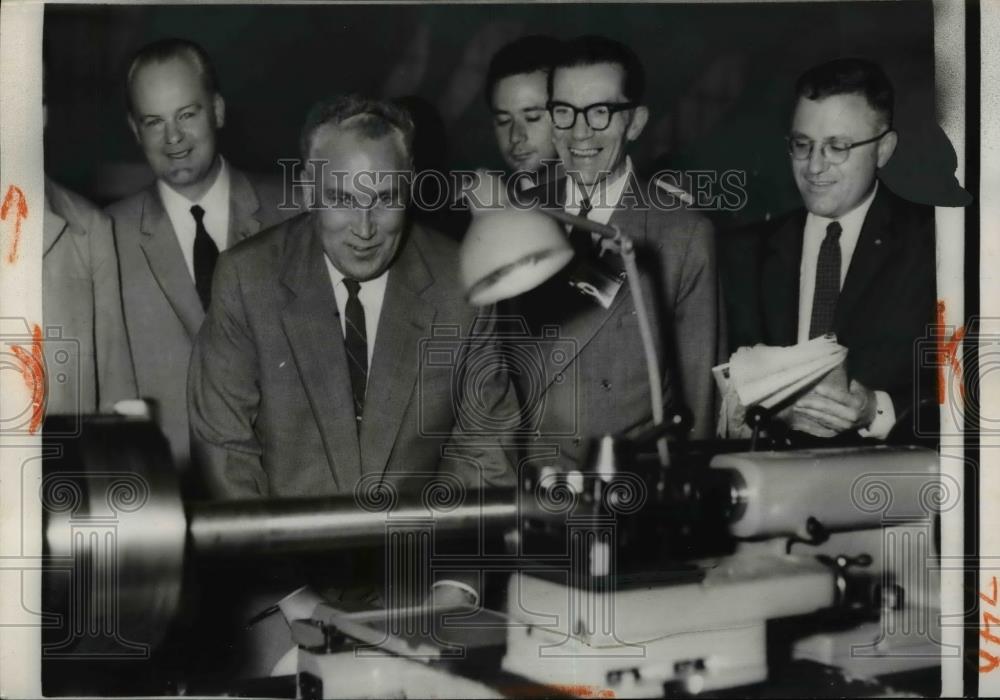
<point>947,354</point>
<point>580,691</point>
<point>991,660</point>
<point>33,371</point>
<point>14,201</point>
<point>585,691</point>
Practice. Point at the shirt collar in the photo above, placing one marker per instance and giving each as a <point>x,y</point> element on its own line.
<point>852,220</point>
<point>337,277</point>
<point>606,194</point>
<point>216,197</point>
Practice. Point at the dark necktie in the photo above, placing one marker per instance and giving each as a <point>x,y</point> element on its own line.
<point>356,343</point>
<point>580,238</point>
<point>205,255</point>
<point>827,282</point>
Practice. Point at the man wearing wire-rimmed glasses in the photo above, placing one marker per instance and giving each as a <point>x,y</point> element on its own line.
<point>858,261</point>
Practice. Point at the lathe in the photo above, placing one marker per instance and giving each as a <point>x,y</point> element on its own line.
<point>727,572</point>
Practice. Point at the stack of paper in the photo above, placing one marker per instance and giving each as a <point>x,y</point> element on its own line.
<point>768,376</point>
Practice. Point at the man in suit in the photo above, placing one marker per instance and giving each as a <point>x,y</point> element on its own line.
<point>81,297</point>
<point>170,234</point>
<point>596,92</point>
<point>857,261</point>
<point>331,361</point>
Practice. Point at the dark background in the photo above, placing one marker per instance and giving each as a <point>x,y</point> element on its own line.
<point>719,80</point>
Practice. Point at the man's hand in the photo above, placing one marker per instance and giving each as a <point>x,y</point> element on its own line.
<point>827,411</point>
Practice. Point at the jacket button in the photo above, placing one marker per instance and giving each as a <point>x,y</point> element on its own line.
<point>576,441</point>
<point>606,385</point>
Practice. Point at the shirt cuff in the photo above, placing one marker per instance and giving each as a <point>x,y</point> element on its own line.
<point>885,418</point>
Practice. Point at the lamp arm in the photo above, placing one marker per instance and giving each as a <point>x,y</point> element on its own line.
<point>627,248</point>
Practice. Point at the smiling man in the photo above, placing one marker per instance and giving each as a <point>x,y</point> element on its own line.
<point>303,377</point>
<point>309,376</point>
<point>857,261</point>
<point>170,234</point>
<point>597,110</point>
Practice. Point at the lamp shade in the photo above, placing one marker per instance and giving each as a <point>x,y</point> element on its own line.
<point>507,252</point>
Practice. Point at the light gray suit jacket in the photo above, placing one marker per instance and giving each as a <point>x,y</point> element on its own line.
<point>272,412</point>
<point>162,310</point>
<point>81,301</point>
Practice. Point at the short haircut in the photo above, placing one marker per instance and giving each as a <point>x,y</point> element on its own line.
<point>591,50</point>
<point>371,118</point>
<point>529,54</point>
<point>849,76</point>
<point>165,50</point>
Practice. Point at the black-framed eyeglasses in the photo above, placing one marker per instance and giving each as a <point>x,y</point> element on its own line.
<point>598,115</point>
<point>835,151</point>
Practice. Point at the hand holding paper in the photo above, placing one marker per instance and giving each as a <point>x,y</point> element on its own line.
<point>837,410</point>
<point>769,376</point>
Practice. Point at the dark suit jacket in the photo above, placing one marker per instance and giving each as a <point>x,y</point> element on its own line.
<point>886,305</point>
<point>81,298</point>
<point>162,309</point>
<point>271,406</point>
<point>601,385</point>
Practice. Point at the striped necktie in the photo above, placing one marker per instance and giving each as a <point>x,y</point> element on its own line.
<point>356,344</point>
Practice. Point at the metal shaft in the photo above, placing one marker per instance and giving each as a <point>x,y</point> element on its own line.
<point>304,525</point>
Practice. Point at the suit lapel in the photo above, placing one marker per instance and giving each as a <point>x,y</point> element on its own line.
<point>583,327</point>
<point>780,281</point>
<point>53,225</point>
<point>312,326</point>
<point>875,245</point>
<point>166,262</point>
<point>243,206</point>
<point>405,320</point>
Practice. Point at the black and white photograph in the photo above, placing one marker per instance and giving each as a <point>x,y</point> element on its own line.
<point>487,350</point>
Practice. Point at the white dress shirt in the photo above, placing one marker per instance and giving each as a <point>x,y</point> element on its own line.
<point>215,202</point>
<point>604,200</point>
<point>813,235</point>
<point>371,295</point>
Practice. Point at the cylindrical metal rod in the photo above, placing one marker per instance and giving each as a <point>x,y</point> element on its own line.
<point>303,525</point>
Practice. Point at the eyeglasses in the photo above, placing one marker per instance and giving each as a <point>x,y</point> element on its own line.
<point>597,116</point>
<point>834,152</point>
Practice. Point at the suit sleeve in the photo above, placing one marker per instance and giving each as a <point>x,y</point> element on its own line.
<point>115,370</point>
<point>486,412</point>
<point>697,327</point>
<point>224,394</point>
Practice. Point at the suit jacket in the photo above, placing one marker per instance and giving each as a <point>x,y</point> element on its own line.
<point>885,306</point>
<point>271,405</point>
<point>600,384</point>
<point>81,298</point>
<point>162,310</point>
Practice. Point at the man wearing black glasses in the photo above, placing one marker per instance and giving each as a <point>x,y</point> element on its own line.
<point>857,261</point>
<point>597,111</point>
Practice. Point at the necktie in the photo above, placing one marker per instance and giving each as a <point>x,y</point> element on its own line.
<point>827,282</point>
<point>205,255</point>
<point>356,343</point>
<point>580,238</point>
